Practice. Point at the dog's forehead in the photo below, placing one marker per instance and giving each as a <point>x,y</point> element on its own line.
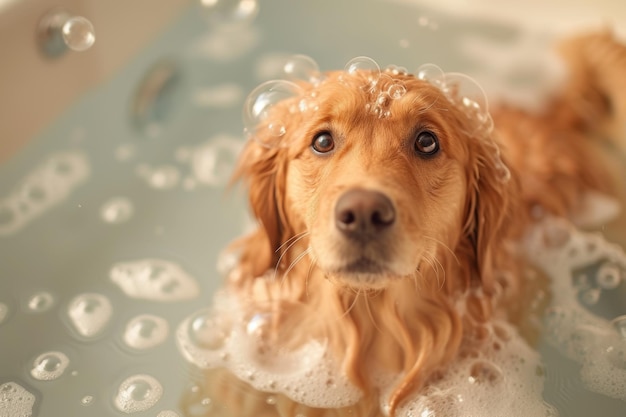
<point>368,98</point>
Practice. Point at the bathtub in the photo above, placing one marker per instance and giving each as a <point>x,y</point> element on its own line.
<point>114,161</point>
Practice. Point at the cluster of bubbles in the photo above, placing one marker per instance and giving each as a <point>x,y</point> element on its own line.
<point>382,86</point>
<point>594,266</point>
<point>15,400</point>
<point>45,187</point>
<point>226,337</point>
<point>154,279</point>
<point>208,164</point>
<point>212,162</point>
<point>503,378</point>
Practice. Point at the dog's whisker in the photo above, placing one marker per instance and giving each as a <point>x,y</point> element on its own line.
<point>293,240</point>
<point>356,299</point>
<point>371,315</point>
<point>446,247</point>
<point>294,262</point>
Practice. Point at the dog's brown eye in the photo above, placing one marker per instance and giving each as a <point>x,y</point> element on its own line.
<point>426,143</point>
<point>323,143</point>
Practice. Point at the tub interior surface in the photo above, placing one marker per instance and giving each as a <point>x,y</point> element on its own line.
<point>158,160</point>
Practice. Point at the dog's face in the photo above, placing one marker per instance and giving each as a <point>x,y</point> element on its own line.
<point>382,187</point>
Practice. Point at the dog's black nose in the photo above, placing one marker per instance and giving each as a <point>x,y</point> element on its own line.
<point>360,213</point>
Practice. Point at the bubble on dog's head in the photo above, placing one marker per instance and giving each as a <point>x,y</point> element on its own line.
<point>303,77</point>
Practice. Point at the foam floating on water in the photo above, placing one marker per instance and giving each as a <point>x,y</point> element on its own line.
<point>154,279</point>
<point>45,187</point>
<point>138,393</point>
<point>15,400</point>
<point>49,366</point>
<point>597,344</point>
<point>215,338</point>
<point>145,331</point>
<point>89,314</point>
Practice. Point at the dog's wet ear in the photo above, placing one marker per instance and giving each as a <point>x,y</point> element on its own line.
<point>489,212</point>
<point>263,172</point>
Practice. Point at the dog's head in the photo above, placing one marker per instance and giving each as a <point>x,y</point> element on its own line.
<point>385,173</point>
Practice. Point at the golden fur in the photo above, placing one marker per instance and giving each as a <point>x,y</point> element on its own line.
<point>448,263</point>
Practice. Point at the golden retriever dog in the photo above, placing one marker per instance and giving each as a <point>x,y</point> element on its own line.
<point>389,216</point>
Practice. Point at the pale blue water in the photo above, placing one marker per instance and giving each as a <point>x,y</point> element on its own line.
<point>69,249</point>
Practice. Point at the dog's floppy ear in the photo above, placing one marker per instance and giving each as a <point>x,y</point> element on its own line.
<point>489,210</point>
<point>263,171</point>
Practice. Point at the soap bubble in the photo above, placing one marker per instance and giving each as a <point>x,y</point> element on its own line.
<point>303,67</point>
<point>485,372</point>
<point>366,64</point>
<point>40,302</point>
<point>396,90</point>
<point>89,313</point>
<point>117,210</point>
<point>49,366</point>
<point>138,393</point>
<point>431,73</point>
<point>87,400</point>
<point>208,330</point>
<point>78,33</point>
<point>230,12</point>
<point>609,277</point>
<point>257,110</point>
<point>145,331</point>
<point>362,63</point>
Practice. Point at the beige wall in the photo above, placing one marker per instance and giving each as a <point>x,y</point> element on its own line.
<point>35,89</point>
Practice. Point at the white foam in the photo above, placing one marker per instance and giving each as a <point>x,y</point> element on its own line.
<point>138,393</point>
<point>15,400</point>
<point>213,162</point>
<point>168,413</point>
<point>563,252</point>
<point>506,380</point>
<point>45,187</point>
<point>154,279</point>
<point>308,375</point>
<point>89,314</point>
